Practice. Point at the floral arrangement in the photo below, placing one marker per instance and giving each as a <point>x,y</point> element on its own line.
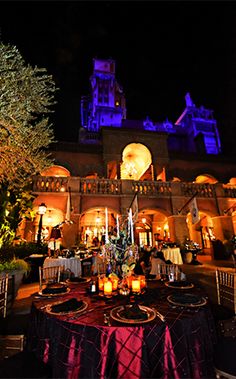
<point>120,256</point>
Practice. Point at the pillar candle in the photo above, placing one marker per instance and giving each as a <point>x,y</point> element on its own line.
<point>117,226</point>
<point>131,226</point>
<point>108,288</point>
<point>100,283</point>
<point>106,220</point>
<point>114,284</point>
<point>136,285</point>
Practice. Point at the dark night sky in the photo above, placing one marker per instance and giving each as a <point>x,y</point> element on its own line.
<point>162,50</point>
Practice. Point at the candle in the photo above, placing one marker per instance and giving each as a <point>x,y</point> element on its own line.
<point>117,226</point>
<point>114,284</point>
<point>142,281</point>
<point>108,288</point>
<point>100,283</point>
<point>136,285</point>
<point>131,225</point>
<point>106,220</point>
<point>129,281</point>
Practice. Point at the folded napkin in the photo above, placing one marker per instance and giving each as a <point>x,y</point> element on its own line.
<point>185,298</point>
<point>180,283</point>
<point>134,313</point>
<point>69,305</point>
<point>78,280</point>
<point>55,288</point>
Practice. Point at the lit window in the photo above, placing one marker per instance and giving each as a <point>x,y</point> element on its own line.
<point>117,103</point>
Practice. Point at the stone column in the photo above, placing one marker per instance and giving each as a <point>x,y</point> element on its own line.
<point>178,228</point>
<point>223,228</point>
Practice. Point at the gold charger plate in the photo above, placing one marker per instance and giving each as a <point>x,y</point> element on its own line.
<point>200,301</point>
<point>116,314</point>
<point>80,309</point>
<point>171,285</point>
<point>55,294</point>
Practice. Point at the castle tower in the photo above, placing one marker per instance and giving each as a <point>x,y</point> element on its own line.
<point>106,105</point>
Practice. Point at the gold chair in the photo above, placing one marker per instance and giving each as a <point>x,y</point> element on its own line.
<point>3,294</point>
<point>226,289</point>
<point>49,275</point>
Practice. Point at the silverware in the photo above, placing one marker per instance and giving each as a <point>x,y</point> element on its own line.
<point>161,317</point>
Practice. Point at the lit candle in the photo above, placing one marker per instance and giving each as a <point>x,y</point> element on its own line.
<point>142,281</point>
<point>131,225</point>
<point>106,220</point>
<point>114,284</point>
<point>108,288</point>
<point>129,281</point>
<point>100,283</point>
<point>136,285</point>
<point>117,226</point>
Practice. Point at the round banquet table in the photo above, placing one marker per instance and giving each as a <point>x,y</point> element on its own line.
<point>73,264</point>
<point>84,346</point>
<point>173,254</point>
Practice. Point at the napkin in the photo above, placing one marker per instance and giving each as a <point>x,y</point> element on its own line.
<point>68,305</point>
<point>186,298</point>
<point>54,288</point>
<point>135,313</point>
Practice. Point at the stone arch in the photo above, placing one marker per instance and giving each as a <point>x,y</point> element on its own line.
<point>202,232</point>
<point>232,181</point>
<point>151,225</point>
<point>55,170</point>
<point>90,227</point>
<point>206,178</point>
<point>136,160</point>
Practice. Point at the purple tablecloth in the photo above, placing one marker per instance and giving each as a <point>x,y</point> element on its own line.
<point>181,347</point>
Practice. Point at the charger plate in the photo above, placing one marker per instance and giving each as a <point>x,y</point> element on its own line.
<point>187,300</point>
<point>117,314</point>
<point>48,309</point>
<point>56,293</point>
<point>177,285</point>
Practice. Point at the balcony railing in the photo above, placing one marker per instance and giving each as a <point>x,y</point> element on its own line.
<point>123,187</point>
<point>201,190</point>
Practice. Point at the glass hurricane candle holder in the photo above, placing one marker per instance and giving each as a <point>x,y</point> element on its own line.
<point>108,288</point>
<point>136,285</point>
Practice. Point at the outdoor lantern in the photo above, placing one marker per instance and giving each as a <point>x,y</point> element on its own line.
<point>42,209</point>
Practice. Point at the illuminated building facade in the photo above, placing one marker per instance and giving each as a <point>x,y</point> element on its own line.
<point>164,163</point>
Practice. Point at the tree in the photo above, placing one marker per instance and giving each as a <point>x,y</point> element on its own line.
<point>26,99</point>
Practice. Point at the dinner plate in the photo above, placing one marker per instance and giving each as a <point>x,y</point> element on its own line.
<point>79,281</point>
<point>53,293</point>
<point>177,285</point>
<point>80,309</point>
<point>187,300</point>
<point>117,315</point>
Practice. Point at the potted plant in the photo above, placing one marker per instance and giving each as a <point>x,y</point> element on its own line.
<point>16,268</point>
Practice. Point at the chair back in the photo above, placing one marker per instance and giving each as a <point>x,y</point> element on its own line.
<point>3,294</point>
<point>49,275</point>
<point>100,266</point>
<point>226,289</point>
<point>164,269</point>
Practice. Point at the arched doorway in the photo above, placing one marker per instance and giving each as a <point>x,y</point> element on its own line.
<point>93,225</point>
<point>201,232</point>
<point>136,160</point>
<point>151,227</point>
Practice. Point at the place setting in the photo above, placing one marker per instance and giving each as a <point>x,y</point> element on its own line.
<point>54,289</point>
<point>189,300</point>
<point>68,307</point>
<point>179,284</point>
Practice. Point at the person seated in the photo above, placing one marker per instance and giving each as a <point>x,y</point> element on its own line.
<point>144,260</point>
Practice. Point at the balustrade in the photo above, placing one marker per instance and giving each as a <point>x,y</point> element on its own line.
<point>117,187</point>
<point>230,191</point>
<point>201,190</point>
